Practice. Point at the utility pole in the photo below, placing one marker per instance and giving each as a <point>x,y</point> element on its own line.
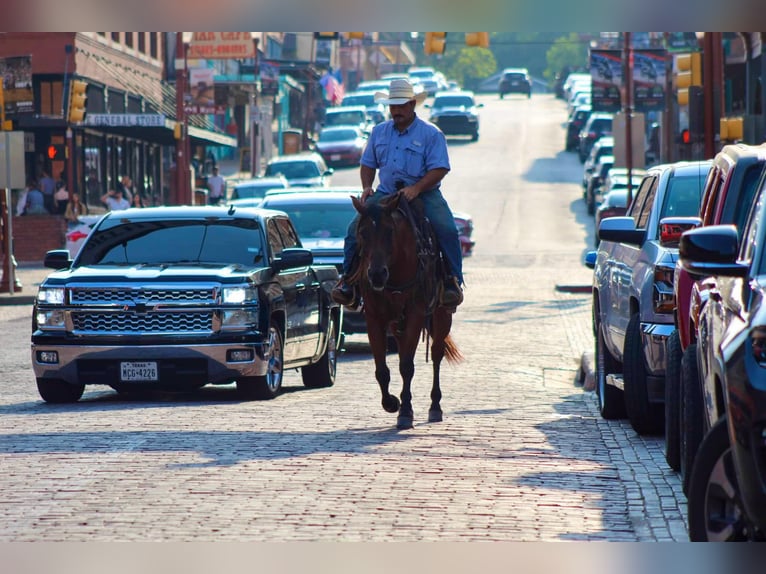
<point>627,52</point>
<point>712,74</point>
<point>182,158</point>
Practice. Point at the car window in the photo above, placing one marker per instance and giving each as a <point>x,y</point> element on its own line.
<point>135,242</point>
<point>344,118</point>
<point>294,169</point>
<point>751,232</point>
<point>317,220</point>
<point>640,197</point>
<point>711,199</point>
<point>244,191</point>
<point>453,101</point>
<point>745,198</point>
<point>287,231</point>
<point>683,197</point>
<point>337,135</point>
<point>359,100</point>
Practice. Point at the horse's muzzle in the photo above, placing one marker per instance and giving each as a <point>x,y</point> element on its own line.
<point>377,278</point>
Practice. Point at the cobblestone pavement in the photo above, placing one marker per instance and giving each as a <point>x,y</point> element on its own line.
<point>522,454</point>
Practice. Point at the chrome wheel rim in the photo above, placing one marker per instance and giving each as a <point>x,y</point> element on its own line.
<point>724,519</point>
<point>274,372</point>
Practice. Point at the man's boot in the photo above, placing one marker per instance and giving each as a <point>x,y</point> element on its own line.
<point>452,294</point>
<point>344,293</point>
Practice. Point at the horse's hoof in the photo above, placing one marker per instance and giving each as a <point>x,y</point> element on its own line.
<point>434,416</point>
<point>391,404</point>
<point>404,422</point>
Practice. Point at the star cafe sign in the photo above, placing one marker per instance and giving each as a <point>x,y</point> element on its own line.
<point>221,45</point>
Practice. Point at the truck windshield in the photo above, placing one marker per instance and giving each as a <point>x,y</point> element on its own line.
<point>158,242</point>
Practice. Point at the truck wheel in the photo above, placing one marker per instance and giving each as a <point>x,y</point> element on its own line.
<point>715,508</point>
<point>268,386</point>
<point>644,417</point>
<point>692,422</point>
<point>673,402</point>
<point>322,373</point>
<point>611,401</point>
<point>59,391</point>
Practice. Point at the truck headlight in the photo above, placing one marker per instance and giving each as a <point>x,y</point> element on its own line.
<point>239,319</point>
<point>51,295</point>
<point>53,319</point>
<point>239,295</point>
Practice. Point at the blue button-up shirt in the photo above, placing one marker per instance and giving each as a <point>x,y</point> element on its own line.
<point>405,156</point>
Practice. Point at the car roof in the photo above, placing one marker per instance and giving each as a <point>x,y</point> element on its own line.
<point>468,93</point>
<point>311,195</point>
<point>515,71</point>
<point>300,156</point>
<point>265,180</point>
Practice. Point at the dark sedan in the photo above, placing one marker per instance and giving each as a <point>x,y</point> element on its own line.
<point>341,145</point>
<point>727,486</point>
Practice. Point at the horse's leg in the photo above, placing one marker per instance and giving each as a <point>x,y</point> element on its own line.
<point>441,325</point>
<point>376,334</point>
<point>408,344</point>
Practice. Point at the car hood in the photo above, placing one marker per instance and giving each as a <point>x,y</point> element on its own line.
<point>342,144</point>
<point>454,110</point>
<point>129,273</point>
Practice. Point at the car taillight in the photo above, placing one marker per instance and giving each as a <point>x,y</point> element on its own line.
<point>758,345</point>
<point>663,296</point>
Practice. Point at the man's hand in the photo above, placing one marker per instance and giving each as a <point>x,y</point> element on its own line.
<point>366,193</point>
<point>410,192</point>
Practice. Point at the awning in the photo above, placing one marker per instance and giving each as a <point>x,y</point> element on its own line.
<point>206,137</point>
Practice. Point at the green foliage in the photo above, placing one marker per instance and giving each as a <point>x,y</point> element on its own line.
<point>468,65</point>
<point>566,52</point>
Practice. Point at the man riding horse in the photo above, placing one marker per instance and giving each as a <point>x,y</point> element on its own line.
<point>411,157</point>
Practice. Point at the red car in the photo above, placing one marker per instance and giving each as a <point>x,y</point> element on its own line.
<point>464,225</point>
<point>341,145</point>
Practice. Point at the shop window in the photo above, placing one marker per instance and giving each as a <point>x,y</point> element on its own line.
<point>142,42</point>
<point>115,36</point>
<point>153,44</point>
<point>129,39</point>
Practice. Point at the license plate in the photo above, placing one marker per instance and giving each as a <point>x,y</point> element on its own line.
<point>335,157</point>
<point>139,371</point>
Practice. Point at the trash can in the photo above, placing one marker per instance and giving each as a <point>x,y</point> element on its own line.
<point>291,141</point>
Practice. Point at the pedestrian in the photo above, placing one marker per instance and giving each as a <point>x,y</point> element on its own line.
<point>114,200</point>
<point>47,185</point>
<point>35,200</point>
<point>138,201</point>
<point>126,187</point>
<point>75,208</point>
<point>216,186</point>
<point>61,198</point>
<point>410,157</point>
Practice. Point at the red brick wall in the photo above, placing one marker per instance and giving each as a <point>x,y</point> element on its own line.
<point>34,235</point>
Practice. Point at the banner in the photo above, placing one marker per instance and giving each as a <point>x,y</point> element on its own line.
<point>17,84</point>
<point>269,74</point>
<point>202,93</point>
<point>606,80</point>
<point>221,45</point>
<point>649,79</point>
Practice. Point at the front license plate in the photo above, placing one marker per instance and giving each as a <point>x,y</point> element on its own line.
<point>335,157</point>
<point>139,371</point>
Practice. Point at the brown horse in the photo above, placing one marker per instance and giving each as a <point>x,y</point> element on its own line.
<point>399,281</point>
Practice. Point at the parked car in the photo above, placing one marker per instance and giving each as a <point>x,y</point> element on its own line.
<point>515,81</point>
<point>574,124</point>
<point>257,188</point>
<point>727,198</point>
<point>596,180</point>
<point>300,169</point>
<point>633,292</point>
<point>616,179</point>
<point>456,113</point>
<point>727,485</point>
<point>615,204</point>
<point>341,145</point>
<point>348,116</point>
<point>598,125</point>
<point>464,223</point>
<point>375,111</point>
<point>175,298</point>
<point>603,146</point>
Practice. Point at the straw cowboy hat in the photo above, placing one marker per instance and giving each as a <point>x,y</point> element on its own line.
<point>400,92</point>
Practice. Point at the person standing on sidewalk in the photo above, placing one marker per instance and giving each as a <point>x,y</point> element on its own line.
<point>216,186</point>
<point>410,156</point>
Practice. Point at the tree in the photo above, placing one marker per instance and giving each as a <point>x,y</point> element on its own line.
<point>469,65</point>
<point>568,52</point>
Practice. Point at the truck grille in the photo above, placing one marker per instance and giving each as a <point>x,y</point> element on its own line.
<point>121,295</point>
<point>186,322</point>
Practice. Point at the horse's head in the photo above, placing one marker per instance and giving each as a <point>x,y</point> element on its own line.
<point>386,242</point>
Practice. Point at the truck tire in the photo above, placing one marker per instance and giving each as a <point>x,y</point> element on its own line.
<point>322,373</point>
<point>611,401</point>
<point>692,422</point>
<point>644,417</point>
<point>59,391</point>
<point>673,402</point>
<point>269,385</point>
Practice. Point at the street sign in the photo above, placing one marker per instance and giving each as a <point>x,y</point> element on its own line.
<point>221,45</point>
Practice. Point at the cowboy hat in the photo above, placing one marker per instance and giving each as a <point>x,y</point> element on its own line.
<point>400,92</point>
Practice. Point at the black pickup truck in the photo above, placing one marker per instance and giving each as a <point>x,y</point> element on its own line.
<point>174,298</point>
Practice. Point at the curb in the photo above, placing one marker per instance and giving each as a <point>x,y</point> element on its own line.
<point>9,299</point>
<point>574,288</point>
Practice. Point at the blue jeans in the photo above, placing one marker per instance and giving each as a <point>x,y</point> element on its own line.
<point>438,213</point>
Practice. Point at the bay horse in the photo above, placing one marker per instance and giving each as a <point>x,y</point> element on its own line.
<point>399,280</point>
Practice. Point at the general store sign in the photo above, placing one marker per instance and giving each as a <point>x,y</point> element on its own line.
<point>221,45</point>
<point>119,120</point>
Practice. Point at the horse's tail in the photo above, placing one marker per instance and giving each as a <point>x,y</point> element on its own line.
<point>451,351</point>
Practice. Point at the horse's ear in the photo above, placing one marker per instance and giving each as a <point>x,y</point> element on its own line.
<point>358,205</point>
<point>392,202</point>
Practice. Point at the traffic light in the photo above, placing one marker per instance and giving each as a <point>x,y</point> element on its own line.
<point>325,35</point>
<point>480,39</point>
<point>435,42</point>
<point>696,113</point>
<point>57,152</point>
<point>355,35</point>
<point>77,101</point>
<point>688,73</point>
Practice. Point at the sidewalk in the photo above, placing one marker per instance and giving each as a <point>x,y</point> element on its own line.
<point>30,275</point>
